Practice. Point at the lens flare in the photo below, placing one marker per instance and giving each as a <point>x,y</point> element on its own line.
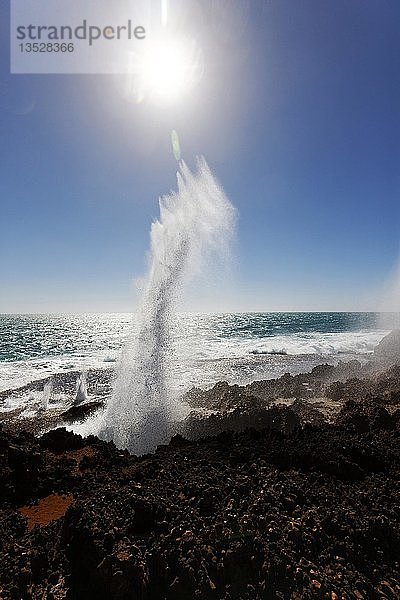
<point>176,147</point>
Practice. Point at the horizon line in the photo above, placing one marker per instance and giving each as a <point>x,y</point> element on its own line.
<point>198,312</point>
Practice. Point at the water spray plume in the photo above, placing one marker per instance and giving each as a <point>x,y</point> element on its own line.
<point>390,305</point>
<point>81,389</point>
<point>195,221</point>
<point>164,13</point>
<point>47,391</point>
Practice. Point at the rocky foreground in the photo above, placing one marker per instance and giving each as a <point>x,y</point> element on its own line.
<point>256,514</point>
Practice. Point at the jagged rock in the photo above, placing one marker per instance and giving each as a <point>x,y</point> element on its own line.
<point>249,515</point>
<point>278,418</point>
<point>81,411</point>
<point>307,413</point>
<point>60,440</point>
<point>364,416</point>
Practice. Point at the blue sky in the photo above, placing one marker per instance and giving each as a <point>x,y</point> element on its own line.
<point>297,113</point>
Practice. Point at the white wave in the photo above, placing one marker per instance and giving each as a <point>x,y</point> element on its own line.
<point>199,355</point>
<point>322,344</point>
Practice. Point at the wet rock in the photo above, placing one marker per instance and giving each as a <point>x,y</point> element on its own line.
<point>323,370</point>
<point>81,411</point>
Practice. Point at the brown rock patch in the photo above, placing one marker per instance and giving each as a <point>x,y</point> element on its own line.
<point>47,510</point>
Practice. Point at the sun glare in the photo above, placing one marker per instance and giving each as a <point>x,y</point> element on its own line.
<point>168,69</point>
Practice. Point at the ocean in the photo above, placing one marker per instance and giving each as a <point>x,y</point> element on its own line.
<point>205,348</point>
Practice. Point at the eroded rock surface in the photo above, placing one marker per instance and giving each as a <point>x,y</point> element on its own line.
<point>306,513</point>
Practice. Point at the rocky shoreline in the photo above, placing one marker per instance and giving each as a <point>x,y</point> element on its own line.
<point>254,499</point>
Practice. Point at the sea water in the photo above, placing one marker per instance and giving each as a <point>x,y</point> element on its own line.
<point>205,348</point>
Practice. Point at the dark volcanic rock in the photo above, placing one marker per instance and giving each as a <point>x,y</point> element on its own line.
<point>385,386</point>
<point>224,397</point>
<point>306,413</point>
<point>306,513</point>
<point>81,411</point>
<point>60,440</point>
<point>365,416</point>
<point>278,418</point>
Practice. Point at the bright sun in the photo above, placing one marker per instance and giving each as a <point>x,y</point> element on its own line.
<point>168,69</point>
